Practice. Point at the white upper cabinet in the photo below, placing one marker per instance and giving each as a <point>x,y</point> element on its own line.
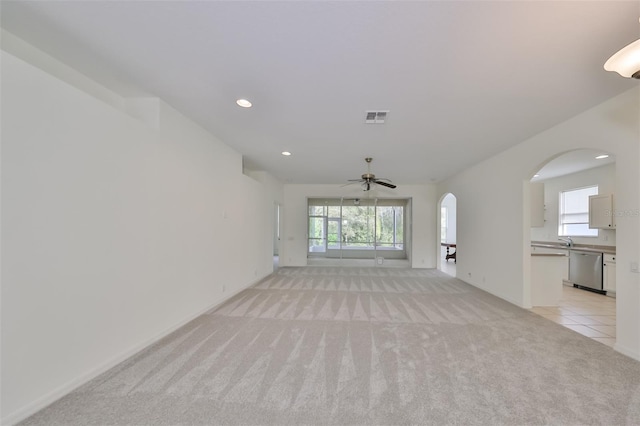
<point>601,211</point>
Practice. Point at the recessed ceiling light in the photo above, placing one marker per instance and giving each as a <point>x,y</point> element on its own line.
<point>536,175</point>
<point>243,103</point>
<point>286,153</point>
<point>600,157</point>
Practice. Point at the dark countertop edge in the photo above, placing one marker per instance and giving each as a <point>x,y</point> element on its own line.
<point>578,247</point>
<point>549,254</point>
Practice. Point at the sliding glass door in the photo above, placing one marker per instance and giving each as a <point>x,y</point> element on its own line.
<point>357,228</point>
<point>317,234</point>
<point>390,227</point>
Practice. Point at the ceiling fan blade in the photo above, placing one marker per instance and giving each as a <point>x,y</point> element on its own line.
<point>388,185</point>
<point>369,178</point>
<point>347,184</point>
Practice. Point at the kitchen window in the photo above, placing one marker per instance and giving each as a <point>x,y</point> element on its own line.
<point>574,213</point>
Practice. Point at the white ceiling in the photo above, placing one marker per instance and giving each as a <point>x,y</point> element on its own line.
<point>462,80</point>
<point>572,162</point>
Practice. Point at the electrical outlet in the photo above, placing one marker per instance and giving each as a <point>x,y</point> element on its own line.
<point>634,267</point>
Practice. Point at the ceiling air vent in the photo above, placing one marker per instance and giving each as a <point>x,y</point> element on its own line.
<point>376,117</point>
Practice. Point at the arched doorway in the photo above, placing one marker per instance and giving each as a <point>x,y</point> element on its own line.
<point>448,234</point>
<point>564,233</point>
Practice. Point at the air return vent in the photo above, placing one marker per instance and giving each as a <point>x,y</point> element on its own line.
<point>376,117</point>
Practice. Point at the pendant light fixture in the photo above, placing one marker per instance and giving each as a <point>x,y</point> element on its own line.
<point>626,61</point>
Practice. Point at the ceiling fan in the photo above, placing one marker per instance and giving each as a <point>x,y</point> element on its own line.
<point>369,178</point>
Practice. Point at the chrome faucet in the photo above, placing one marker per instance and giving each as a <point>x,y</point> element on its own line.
<point>567,240</point>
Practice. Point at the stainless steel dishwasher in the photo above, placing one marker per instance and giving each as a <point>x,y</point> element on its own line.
<point>585,270</point>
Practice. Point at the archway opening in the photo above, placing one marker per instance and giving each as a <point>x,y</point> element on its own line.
<point>448,234</point>
<point>572,263</point>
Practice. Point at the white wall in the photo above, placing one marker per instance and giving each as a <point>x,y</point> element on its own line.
<point>272,186</point>
<point>422,240</point>
<point>113,232</point>
<point>493,208</point>
<point>603,176</point>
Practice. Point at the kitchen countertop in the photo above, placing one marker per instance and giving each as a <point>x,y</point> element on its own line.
<point>549,254</point>
<point>577,247</point>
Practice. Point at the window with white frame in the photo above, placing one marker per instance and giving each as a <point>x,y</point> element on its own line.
<point>574,213</point>
<point>355,224</point>
<point>444,223</point>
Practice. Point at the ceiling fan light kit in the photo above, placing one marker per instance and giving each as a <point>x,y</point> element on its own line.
<point>626,61</point>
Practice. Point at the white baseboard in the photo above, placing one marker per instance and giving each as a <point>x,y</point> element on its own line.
<point>56,394</point>
<point>513,302</point>
<point>626,351</point>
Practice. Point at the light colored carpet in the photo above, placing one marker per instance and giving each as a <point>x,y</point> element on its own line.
<point>323,345</point>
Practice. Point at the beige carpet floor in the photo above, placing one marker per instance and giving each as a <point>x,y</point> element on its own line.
<point>366,346</point>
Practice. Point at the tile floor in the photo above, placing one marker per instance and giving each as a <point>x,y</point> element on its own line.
<point>590,314</point>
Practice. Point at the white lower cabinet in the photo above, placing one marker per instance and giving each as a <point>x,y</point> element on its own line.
<point>546,250</point>
<point>547,272</point>
<point>609,273</point>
